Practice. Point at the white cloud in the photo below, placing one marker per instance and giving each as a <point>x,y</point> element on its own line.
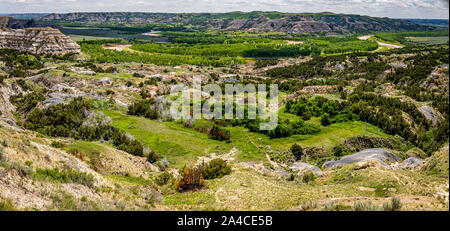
<point>383,8</point>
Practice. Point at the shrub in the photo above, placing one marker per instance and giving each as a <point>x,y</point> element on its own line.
<point>325,120</point>
<point>282,157</point>
<point>360,206</point>
<point>306,115</point>
<point>143,108</point>
<point>310,205</point>
<point>335,207</point>
<point>152,157</point>
<point>138,75</point>
<point>218,133</point>
<point>216,168</point>
<point>57,144</point>
<point>26,103</point>
<point>297,151</point>
<point>67,120</point>
<point>164,178</point>
<point>6,205</point>
<point>395,205</point>
<point>68,176</point>
<point>308,177</point>
<point>22,170</point>
<point>192,179</point>
<point>338,150</point>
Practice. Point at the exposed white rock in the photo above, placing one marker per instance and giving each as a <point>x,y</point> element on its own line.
<point>38,40</point>
<point>372,154</point>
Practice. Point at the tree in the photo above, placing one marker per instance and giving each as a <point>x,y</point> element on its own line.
<point>338,150</point>
<point>297,151</point>
<point>325,120</point>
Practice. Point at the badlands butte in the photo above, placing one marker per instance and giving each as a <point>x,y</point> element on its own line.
<point>33,39</point>
<point>85,122</point>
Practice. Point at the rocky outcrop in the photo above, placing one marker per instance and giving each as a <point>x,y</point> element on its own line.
<point>430,114</point>
<point>411,163</point>
<point>38,40</point>
<point>303,168</point>
<point>6,108</point>
<point>373,154</point>
<point>358,143</point>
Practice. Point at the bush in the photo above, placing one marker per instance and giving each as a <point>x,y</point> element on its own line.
<point>218,133</point>
<point>217,168</point>
<point>395,205</point>
<point>338,150</point>
<point>6,205</point>
<point>57,144</point>
<point>68,176</point>
<point>297,151</point>
<point>26,103</point>
<point>325,120</point>
<point>282,157</point>
<point>308,177</point>
<point>67,120</point>
<point>192,179</point>
<point>360,206</point>
<point>152,157</point>
<point>143,108</point>
<point>164,178</point>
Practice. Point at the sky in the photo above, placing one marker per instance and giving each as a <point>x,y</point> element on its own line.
<point>378,8</point>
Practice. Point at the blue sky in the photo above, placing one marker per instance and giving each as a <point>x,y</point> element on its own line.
<point>380,8</point>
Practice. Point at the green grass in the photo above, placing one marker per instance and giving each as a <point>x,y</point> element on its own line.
<point>67,176</point>
<point>428,40</point>
<point>183,145</point>
<point>327,138</point>
<point>129,179</point>
<point>88,148</point>
<point>180,145</point>
<point>77,38</point>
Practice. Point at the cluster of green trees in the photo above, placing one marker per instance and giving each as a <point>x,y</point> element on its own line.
<point>303,70</point>
<point>387,113</point>
<point>331,111</point>
<point>143,108</point>
<point>223,48</point>
<point>248,48</point>
<point>26,103</point>
<point>100,55</point>
<point>19,62</point>
<point>66,120</point>
<point>401,36</point>
<point>420,68</point>
<point>368,69</point>
<point>257,47</point>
